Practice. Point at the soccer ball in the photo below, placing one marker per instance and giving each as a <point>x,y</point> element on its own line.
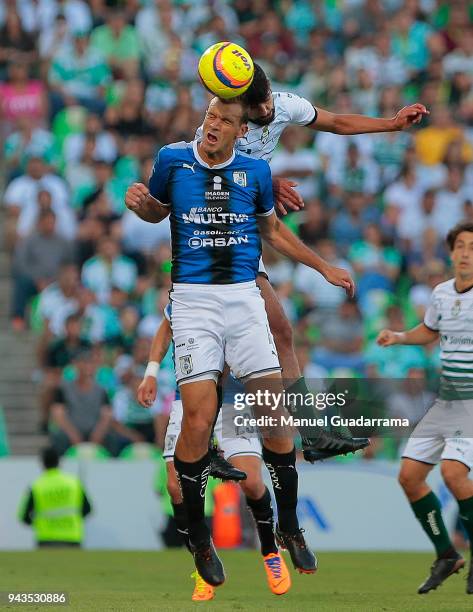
<point>226,70</point>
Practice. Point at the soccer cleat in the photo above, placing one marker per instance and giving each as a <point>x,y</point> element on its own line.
<point>330,444</point>
<point>202,590</point>
<point>221,468</point>
<point>440,571</point>
<point>279,579</point>
<point>208,563</point>
<point>303,559</point>
<point>469,580</point>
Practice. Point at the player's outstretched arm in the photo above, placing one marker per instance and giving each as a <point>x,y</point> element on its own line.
<point>148,387</point>
<point>283,240</point>
<point>360,124</point>
<point>418,335</point>
<point>139,200</point>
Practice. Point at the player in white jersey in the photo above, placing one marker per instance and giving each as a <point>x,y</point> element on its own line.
<point>270,113</point>
<point>445,434</point>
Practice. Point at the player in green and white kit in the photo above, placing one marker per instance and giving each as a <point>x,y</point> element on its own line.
<point>445,434</point>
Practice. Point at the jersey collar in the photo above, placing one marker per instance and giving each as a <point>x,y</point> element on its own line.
<point>202,163</point>
<point>464,290</point>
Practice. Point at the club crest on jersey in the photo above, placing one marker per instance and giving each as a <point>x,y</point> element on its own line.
<point>456,308</point>
<point>185,363</point>
<point>265,134</point>
<point>240,178</point>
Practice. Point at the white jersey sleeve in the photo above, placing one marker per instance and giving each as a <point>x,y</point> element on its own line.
<point>298,111</point>
<point>432,314</point>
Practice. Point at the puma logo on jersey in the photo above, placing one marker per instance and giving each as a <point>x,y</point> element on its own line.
<point>189,166</point>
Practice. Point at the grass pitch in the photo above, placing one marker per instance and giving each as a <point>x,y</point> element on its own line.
<point>142,581</point>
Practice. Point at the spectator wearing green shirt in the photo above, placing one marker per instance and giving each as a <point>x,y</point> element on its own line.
<point>119,44</point>
<point>79,76</point>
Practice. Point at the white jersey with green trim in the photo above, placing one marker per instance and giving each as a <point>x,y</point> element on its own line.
<point>450,312</point>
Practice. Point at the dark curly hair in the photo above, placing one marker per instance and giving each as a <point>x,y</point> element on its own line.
<point>259,90</point>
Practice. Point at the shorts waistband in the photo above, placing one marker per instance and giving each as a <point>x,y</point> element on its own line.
<point>213,288</point>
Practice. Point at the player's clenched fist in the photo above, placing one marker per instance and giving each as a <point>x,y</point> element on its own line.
<point>147,391</point>
<point>386,337</point>
<point>136,196</point>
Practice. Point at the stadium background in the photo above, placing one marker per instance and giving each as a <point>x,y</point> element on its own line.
<point>90,91</point>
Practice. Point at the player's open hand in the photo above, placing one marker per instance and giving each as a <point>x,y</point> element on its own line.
<point>285,196</point>
<point>136,196</point>
<point>340,278</point>
<point>409,116</point>
<point>386,337</point>
<point>147,391</point>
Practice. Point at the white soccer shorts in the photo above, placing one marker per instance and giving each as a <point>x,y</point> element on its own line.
<point>244,442</point>
<point>443,433</point>
<point>217,324</point>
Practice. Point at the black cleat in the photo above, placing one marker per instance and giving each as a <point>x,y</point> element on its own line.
<point>469,580</point>
<point>440,571</point>
<point>220,468</point>
<point>331,444</point>
<point>208,564</point>
<point>303,559</point>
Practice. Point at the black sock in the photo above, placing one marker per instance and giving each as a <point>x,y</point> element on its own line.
<point>193,481</point>
<point>282,469</point>
<point>262,512</point>
<point>466,516</point>
<point>180,517</point>
<point>429,514</point>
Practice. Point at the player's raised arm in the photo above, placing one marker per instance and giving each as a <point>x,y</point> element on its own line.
<point>360,124</point>
<point>421,334</point>
<point>280,237</point>
<point>159,347</point>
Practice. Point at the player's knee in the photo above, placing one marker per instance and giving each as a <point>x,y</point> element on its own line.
<point>253,486</point>
<point>196,425</point>
<point>409,481</point>
<point>454,474</point>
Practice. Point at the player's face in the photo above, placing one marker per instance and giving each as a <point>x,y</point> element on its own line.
<point>222,126</point>
<point>462,255</point>
<point>263,113</point>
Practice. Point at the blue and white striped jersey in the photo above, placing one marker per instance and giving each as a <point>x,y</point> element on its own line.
<point>214,231</point>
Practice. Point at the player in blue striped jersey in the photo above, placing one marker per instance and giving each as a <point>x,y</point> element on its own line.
<point>218,314</point>
<point>215,236</point>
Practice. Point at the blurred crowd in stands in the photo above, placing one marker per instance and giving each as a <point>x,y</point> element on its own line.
<point>91,90</point>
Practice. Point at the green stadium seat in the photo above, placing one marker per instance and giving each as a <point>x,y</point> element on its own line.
<point>4,446</point>
<point>140,451</point>
<point>87,451</point>
<point>36,320</point>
